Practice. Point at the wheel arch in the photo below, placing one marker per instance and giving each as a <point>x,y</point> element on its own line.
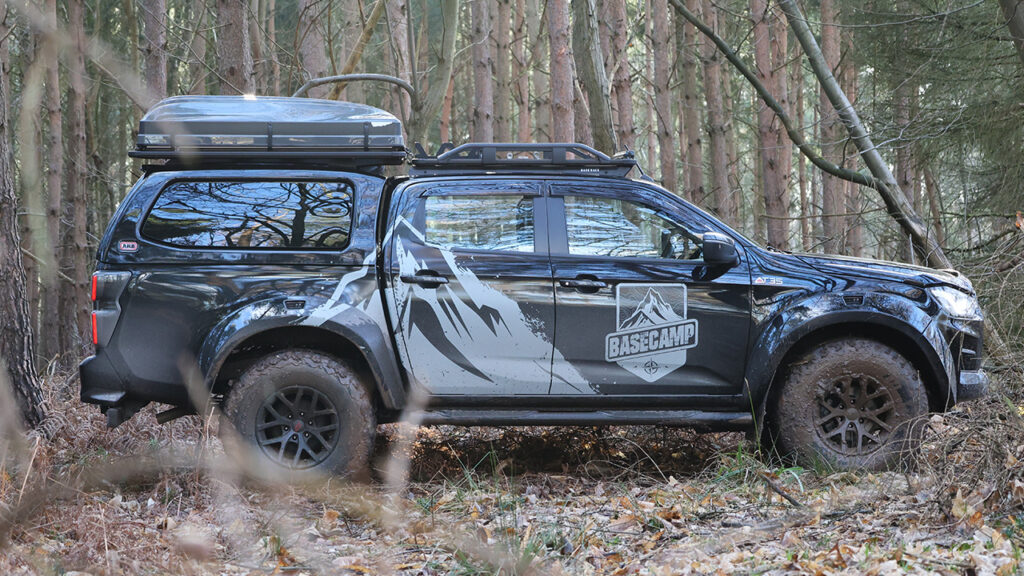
<point>909,341</point>
<point>338,341</point>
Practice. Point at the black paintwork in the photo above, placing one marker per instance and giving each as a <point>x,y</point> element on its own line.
<point>165,309</point>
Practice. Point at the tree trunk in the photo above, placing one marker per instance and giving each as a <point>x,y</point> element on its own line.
<point>311,46</point>
<point>931,186</point>
<point>483,77</point>
<point>691,109</point>
<point>725,202</point>
<point>581,113</point>
<point>15,331</point>
<point>662,44</point>
<point>399,21</point>
<point>563,126</point>
<point>52,286</point>
<point>622,88</point>
<point>539,57</point>
<point>854,221</point>
<point>502,63</point>
<point>76,246</point>
<point>905,174</point>
<point>520,68</point>
<point>883,180</point>
<point>271,51</point>
<point>154,48</point>
<point>806,207</point>
<point>438,93</point>
<point>1013,11</point>
<point>590,67</point>
<point>769,56</point>
<point>234,54</point>
<point>833,206</point>
<point>197,71</point>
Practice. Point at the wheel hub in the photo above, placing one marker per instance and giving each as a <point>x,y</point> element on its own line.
<point>297,427</point>
<point>854,414</point>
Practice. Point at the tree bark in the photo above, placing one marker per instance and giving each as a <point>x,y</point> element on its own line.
<point>586,41</point>
<point>483,77</point>
<point>271,51</point>
<point>154,48</point>
<point>770,58</point>
<point>618,66</point>
<point>438,81</point>
<point>662,44</point>
<point>520,73</point>
<point>502,71</point>
<point>833,207</point>
<point>806,204</point>
<point>563,127</point>
<point>15,331</point>
<point>52,286</point>
<point>197,70</point>
<point>404,54</point>
<point>76,246</point>
<point>725,202</point>
<point>854,220</point>
<point>691,109</point>
<point>311,45</point>
<point>539,57</point>
<point>234,53</point>
<point>931,186</point>
<point>356,54</point>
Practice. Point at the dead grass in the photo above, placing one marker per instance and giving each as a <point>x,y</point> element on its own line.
<point>152,499</point>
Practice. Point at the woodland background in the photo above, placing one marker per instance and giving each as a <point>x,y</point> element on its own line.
<point>939,85</point>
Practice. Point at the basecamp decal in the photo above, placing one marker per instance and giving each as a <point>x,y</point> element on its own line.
<point>653,332</point>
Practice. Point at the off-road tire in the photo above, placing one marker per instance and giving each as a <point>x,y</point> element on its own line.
<point>323,380</point>
<point>849,404</point>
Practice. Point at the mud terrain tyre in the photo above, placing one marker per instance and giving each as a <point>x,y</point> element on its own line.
<point>849,404</point>
<point>302,413</point>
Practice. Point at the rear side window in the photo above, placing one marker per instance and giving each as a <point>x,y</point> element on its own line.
<point>252,215</point>
<point>477,222</point>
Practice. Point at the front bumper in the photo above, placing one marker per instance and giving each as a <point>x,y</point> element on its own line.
<point>973,384</point>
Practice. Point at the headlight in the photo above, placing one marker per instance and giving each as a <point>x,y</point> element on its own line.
<point>956,303</point>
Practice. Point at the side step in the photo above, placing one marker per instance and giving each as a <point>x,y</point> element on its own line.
<point>718,421</point>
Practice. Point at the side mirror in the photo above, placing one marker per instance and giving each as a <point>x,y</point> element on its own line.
<point>720,250</point>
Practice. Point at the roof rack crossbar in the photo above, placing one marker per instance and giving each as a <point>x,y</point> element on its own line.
<point>566,158</point>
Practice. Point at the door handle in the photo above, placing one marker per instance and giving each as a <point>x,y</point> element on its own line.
<point>425,278</point>
<point>584,284</point>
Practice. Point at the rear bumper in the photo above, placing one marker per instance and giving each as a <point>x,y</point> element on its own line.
<point>100,382</point>
<point>973,384</point>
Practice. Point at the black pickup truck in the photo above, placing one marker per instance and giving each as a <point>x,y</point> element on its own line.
<point>502,284</point>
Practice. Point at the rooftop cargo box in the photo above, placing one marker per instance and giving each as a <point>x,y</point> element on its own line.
<point>260,128</point>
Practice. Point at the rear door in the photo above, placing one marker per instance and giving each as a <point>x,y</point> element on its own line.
<point>637,310</point>
<point>470,280</point>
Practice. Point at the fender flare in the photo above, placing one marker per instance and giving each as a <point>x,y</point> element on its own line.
<point>930,353</point>
<point>352,325</point>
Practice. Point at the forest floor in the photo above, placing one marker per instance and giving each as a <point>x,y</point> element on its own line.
<point>152,499</point>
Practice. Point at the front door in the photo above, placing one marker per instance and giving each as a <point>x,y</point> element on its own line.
<point>637,310</point>
<point>472,289</point>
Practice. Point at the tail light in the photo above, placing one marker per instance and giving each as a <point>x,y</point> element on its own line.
<point>106,308</point>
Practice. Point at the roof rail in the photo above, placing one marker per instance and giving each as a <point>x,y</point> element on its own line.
<point>500,158</point>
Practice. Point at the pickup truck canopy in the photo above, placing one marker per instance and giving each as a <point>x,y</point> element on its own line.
<point>261,127</point>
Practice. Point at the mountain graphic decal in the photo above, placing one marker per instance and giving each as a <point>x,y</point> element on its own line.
<point>651,311</point>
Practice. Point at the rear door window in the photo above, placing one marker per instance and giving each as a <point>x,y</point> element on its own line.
<point>252,215</point>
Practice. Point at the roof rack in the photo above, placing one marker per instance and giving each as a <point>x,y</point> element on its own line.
<point>506,158</point>
<point>221,129</point>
